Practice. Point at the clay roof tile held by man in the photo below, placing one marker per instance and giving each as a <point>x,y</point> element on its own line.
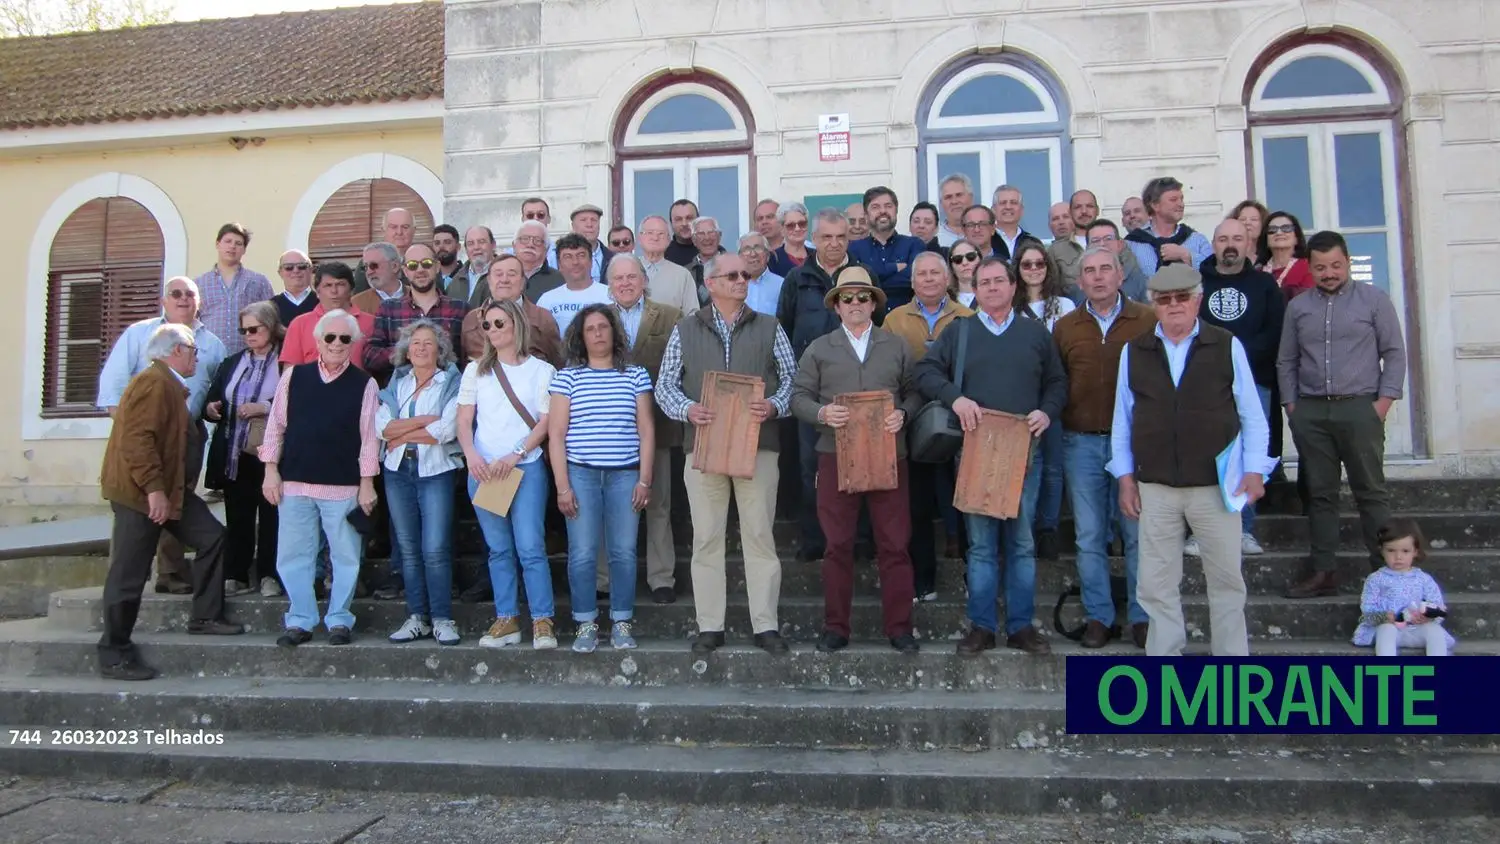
<point>367,54</point>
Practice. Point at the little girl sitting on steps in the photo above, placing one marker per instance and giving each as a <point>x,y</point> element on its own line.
<point>1402,606</point>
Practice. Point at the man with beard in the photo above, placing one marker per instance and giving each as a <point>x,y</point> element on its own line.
<point>479,245</point>
<point>422,300</point>
<point>888,254</point>
<point>859,221</point>
<point>682,251</point>
<point>1247,303</point>
<point>445,245</point>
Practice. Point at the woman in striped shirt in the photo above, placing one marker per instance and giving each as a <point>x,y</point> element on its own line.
<point>599,425</point>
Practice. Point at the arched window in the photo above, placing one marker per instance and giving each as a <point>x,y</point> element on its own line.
<point>351,219</point>
<point>104,273</point>
<point>1324,138</point>
<point>998,121</point>
<point>688,139</point>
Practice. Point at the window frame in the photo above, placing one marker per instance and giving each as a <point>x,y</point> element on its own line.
<point>1380,92</point>
<point>1049,114</point>
<point>635,140</point>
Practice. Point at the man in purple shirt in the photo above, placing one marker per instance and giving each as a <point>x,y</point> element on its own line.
<point>230,286</point>
<point>887,253</point>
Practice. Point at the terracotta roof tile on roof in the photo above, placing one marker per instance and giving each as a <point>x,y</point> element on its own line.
<point>319,58</point>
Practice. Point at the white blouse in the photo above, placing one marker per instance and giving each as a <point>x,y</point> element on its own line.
<point>431,459</point>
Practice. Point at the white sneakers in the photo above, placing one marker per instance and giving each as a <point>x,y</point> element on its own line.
<point>416,627</point>
<point>1249,546</point>
<point>445,631</point>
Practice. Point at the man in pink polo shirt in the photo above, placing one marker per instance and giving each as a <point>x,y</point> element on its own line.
<point>335,289</point>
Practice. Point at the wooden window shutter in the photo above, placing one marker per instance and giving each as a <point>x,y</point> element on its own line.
<point>351,219</point>
<point>105,273</point>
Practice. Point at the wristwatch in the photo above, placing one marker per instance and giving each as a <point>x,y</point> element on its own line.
<point>519,450</point>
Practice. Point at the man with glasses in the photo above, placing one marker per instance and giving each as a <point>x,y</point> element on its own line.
<point>1184,395</point>
<point>727,336</point>
<point>297,298</point>
<point>621,241</point>
<point>979,229</point>
<point>145,480</point>
<point>1105,233</point>
<point>399,227</point>
<point>530,245</point>
<point>765,286</point>
<point>422,300</point>
<point>667,282</point>
<point>128,359</point>
<point>229,286</point>
<point>382,264</point>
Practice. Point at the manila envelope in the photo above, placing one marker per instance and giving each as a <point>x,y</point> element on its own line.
<point>496,496</point>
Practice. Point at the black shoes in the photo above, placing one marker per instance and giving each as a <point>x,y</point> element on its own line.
<point>131,669</point>
<point>386,593</point>
<point>664,595</point>
<point>975,642</point>
<point>772,643</point>
<point>809,555</point>
<point>340,636</point>
<point>214,627</point>
<point>906,644</point>
<point>1047,544</point>
<point>173,587</point>
<point>708,642</point>
<point>293,637</point>
<point>831,641</point>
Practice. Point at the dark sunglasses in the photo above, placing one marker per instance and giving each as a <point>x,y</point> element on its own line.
<point>425,263</point>
<point>295,267</point>
<point>1283,228</point>
<point>372,265</point>
<point>965,258</point>
<point>1033,265</point>
<point>850,298</point>
<point>250,330</point>
<point>1177,297</point>
<point>497,325</point>
<point>179,293</point>
<point>346,339</point>
<point>621,244</point>
<point>740,274</point>
<point>801,225</point>
<point>535,215</point>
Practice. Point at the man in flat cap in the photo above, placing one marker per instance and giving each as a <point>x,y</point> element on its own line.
<point>1186,414</point>
<point>585,219</point>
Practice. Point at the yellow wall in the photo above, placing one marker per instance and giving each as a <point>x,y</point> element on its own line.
<point>209,183</point>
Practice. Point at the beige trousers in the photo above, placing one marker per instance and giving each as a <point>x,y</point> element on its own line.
<point>661,550</point>
<point>755,499</point>
<point>1159,581</point>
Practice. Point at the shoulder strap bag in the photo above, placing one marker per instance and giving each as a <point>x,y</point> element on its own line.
<point>936,435</point>
<point>499,371</point>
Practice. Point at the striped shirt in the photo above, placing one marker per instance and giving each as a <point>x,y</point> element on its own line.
<point>601,414</point>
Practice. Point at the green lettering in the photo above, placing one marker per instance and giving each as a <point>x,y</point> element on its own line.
<point>1333,687</point>
<point>1228,696</point>
<point>1142,697</point>
<point>1173,698</point>
<point>1410,695</point>
<point>1383,675</point>
<point>1298,684</point>
<point>1256,698</point>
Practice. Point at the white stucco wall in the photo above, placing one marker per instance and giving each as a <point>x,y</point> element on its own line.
<point>534,90</point>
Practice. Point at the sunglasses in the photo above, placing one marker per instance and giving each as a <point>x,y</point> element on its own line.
<point>851,298</point>
<point>621,244</point>
<point>965,258</point>
<point>1033,265</point>
<point>346,339</point>
<point>739,274</point>
<point>192,349</point>
<point>179,293</point>
<point>496,325</point>
<point>425,263</point>
<point>535,215</point>
<point>250,330</point>
<point>295,267</point>
<point>1178,297</point>
<point>1283,228</point>
<point>372,265</point>
<point>801,225</point>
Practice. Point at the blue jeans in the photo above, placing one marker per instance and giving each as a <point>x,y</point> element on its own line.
<point>987,538</point>
<point>1247,515</point>
<point>302,520</point>
<point>1049,501</point>
<point>1095,496</point>
<point>520,536</point>
<point>604,509</point>
<point>422,514</point>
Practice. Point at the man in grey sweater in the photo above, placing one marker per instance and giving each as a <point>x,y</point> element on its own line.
<point>1012,366</point>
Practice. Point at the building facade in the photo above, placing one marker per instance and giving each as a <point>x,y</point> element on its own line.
<point>1379,118</point>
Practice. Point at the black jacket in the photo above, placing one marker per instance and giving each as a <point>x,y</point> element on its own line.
<point>218,446</point>
<point>801,309</point>
<point>1250,306</point>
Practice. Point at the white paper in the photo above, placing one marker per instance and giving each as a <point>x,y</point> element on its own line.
<point>1231,466</point>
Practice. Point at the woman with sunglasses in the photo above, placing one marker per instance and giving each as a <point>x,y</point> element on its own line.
<point>792,252</point>
<point>1041,288</point>
<point>502,423</point>
<point>1284,248</point>
<point>599,425</point>
<point>418,421</point>
<point>964,256</point>
<point>238,402</point>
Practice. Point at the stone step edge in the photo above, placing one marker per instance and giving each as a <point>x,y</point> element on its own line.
<point>1422,783</point>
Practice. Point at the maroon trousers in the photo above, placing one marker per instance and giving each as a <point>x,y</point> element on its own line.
<point>890,516</point>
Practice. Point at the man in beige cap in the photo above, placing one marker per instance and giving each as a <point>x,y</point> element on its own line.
<point>859,357</point>
<point>585,220</point>
<point>1187,413</point>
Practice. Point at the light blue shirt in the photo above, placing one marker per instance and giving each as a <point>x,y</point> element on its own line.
<point>630,319</point>
<point>128,359</point>
<point>932,317</point>
<point>1255,433</point>
<point>1197,245</point>
<point>1106,320</point>
<point>763,293</point>
<point>998,328</point>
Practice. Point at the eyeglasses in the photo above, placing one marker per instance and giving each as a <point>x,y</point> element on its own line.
<point>621,244</point>
<point>425,263</point>
<point>791,225</point>
<point>965,258</point>
<point>714,233</point>
<point>346,339</point>
<point>250,330</point>
<point>1177,297</point>
<point>740,274</point>
<point>753,250</point>
<point>1033,265</point>
<point>1283,228</point>
<point>850,298</point>
<point>179,293</point>
<point>290,268</point>
<point>372,265</point>
<point>530,240</point>
<point>1109,238</point>
<point>191,349</point>
<point>976,224</point>
<point>496,325</point>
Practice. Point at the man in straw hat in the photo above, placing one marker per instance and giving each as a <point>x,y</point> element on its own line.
<point>859,357</point>
<point>1184,396</point>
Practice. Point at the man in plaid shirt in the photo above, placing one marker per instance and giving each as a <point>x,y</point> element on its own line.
<point>227,288</point>
<point>422,300</point>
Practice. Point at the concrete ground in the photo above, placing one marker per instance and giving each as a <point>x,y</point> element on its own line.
<point>168,812</point>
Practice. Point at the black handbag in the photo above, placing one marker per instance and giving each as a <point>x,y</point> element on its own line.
<point>936,435</point>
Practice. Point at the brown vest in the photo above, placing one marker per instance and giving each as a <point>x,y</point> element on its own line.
<point>1178,431</point>
<point>751,352</point>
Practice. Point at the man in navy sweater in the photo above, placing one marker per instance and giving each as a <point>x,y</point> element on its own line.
<point>1247,303</point>
<point>1011,365</point>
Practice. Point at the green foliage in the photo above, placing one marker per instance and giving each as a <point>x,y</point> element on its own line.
<point>49,17</point>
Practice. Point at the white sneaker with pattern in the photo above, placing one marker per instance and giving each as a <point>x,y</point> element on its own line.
<point>415,627</point>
